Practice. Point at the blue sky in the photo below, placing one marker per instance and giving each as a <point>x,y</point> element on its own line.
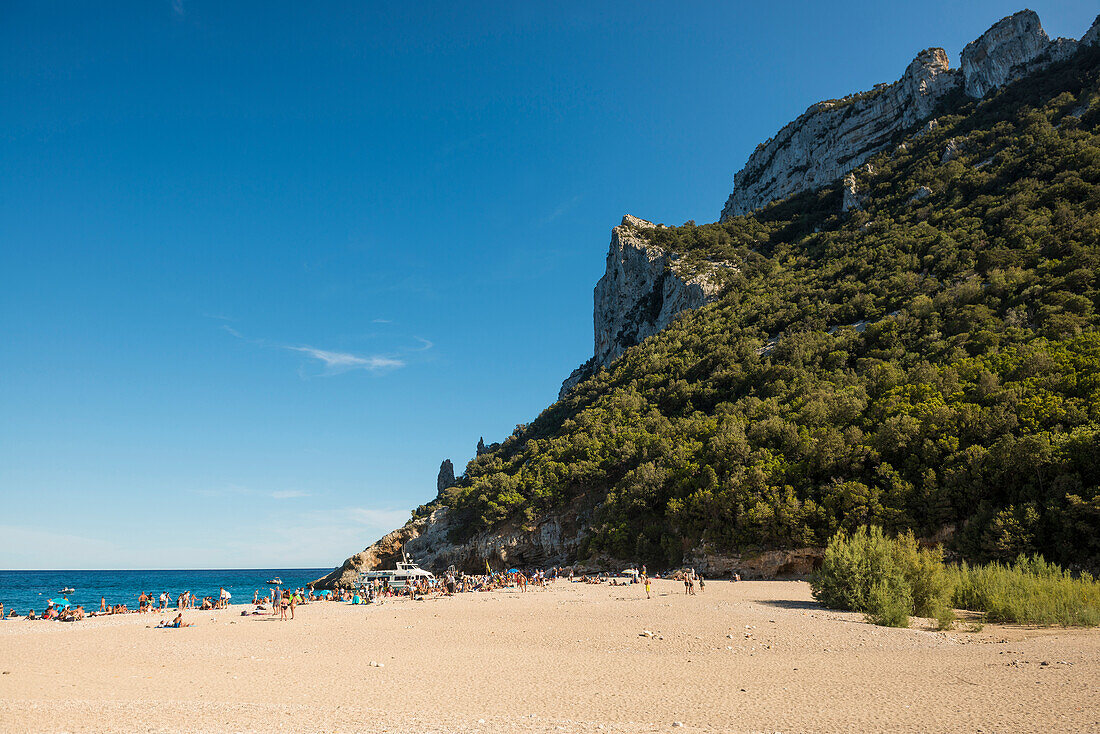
<point>264,265</point>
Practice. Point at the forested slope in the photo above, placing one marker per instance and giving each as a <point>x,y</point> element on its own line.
<point>930,360</point>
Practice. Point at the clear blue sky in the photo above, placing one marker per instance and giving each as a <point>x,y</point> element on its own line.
<point>263,266</point>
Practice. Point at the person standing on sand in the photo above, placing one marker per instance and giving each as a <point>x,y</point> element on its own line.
<point>702,584</point>
<point>293,603</point>
<point>646,581</point>
<point>103,604</point>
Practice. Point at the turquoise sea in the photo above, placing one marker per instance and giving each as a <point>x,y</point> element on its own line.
<point>25,590</point>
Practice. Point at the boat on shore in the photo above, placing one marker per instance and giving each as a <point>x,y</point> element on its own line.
<point>407,572</point>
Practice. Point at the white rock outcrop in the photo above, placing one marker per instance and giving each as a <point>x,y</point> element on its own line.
<point>831,138</point>
<point>1013,48</point>
<point>642,289</point>
<point>952,150</point>
<point>834,137</point>
<point>1092,37</point>
<point>854,194</point>
<point>922,192</point>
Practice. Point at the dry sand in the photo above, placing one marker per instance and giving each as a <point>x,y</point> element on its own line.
<point>747,657</point>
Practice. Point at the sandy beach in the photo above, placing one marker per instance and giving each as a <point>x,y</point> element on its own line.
<point>745,657</point>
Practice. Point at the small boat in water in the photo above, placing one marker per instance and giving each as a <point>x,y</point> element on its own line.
<point>275,581</point>
<point>67,590</point>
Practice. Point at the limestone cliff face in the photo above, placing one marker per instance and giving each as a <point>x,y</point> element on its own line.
<point>834,137</point>
<point>773,564</point>
<point>831,138</point>
<point>382,553</point>
<point>553,541</point>
<point>1013,48</point>
<point>642,289</point>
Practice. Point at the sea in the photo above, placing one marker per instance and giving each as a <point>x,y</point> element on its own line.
<point>26,590</point>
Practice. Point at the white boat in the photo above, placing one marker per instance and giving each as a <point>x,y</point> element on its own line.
<point>275,581</point>
<point>68,590</point>
<point>407,571</point>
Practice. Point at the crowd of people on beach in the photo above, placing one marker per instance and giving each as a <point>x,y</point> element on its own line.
<point>283,602</point>
<point>63,611</point>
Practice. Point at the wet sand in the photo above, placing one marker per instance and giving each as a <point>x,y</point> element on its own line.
<point>747,657</point>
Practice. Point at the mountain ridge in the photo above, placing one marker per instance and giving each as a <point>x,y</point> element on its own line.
<point>759,421</point>
<point>834,137</point>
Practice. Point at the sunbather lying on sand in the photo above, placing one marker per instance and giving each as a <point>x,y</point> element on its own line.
<point>175,623</point>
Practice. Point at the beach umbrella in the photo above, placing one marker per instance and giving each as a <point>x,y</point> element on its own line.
<point>630,572</point>
<point>61,603</point>
<point>513,570</point>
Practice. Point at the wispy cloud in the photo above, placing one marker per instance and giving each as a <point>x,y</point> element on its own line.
<point>335,362</point>
<point>177,7</point>
<point>343,361</point>
<point>375,518</point>
<point>425,345</point>
<point>287,494</point>
<point>562,209</point>
<point>381,321</point>
<point>236,490</point>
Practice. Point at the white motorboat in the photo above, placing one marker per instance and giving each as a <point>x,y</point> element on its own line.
<point>407,571</point>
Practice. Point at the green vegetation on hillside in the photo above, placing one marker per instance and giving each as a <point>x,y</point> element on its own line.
<point>931,365</point>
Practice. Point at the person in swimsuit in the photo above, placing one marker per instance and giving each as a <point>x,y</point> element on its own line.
<point>177,622</point>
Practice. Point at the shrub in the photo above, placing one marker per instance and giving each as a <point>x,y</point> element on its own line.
<point>926,577</point>
<point>889,602</point>
<point>850,568</point>
<point>889,579</point>
<point>1029,591</point>
<point>886,579</point>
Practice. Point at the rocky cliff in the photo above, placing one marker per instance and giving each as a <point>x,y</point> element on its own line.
<point>642,289</point>
<point>552,541</point>
<point>834,137</point>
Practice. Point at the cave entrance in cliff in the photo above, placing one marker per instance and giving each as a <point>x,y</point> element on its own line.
<point>798,567</point>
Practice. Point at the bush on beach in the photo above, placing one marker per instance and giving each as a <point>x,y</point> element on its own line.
<point>890,579</point>
<point>1029,591</point>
